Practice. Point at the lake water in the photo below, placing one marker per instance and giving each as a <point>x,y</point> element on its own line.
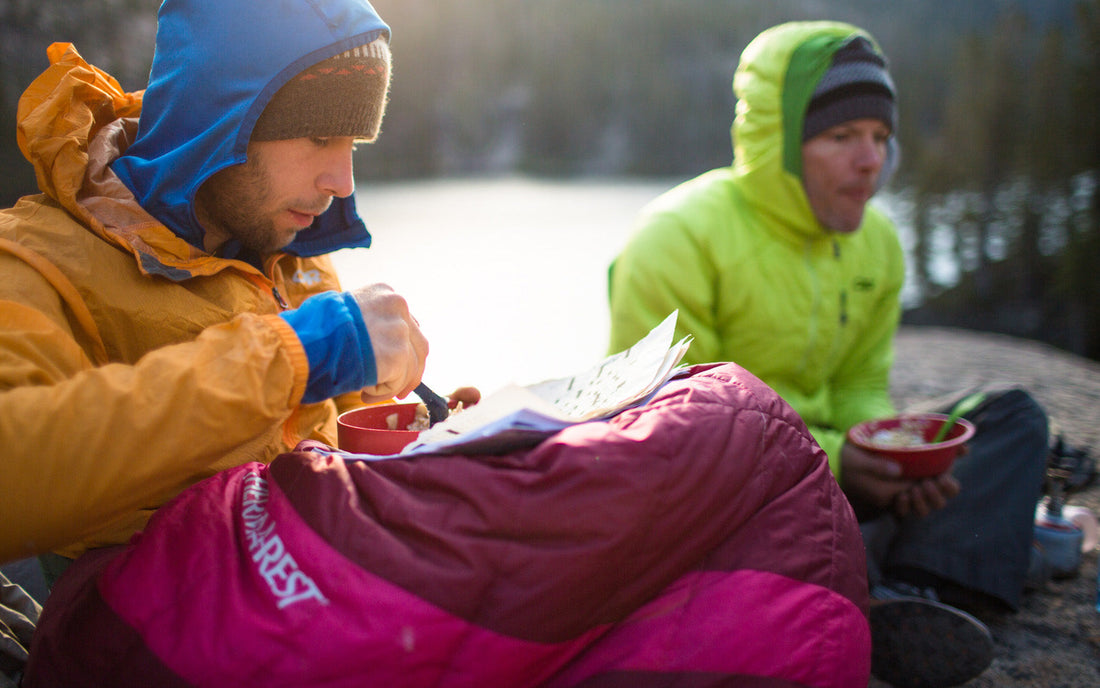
<point>507,277</point>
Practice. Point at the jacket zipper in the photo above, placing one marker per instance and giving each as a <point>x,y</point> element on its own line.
<point>283,305</point>
<point>815,307</point>
<point>843,289</point>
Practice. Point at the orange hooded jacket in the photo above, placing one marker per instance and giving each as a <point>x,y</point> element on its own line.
<point>120,387</point>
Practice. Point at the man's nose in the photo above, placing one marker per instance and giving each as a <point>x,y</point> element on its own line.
<point>871,153</point>
<point>337,177</point>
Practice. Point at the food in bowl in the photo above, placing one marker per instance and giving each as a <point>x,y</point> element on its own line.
<point>894,438</point>
<point>906,434</point>
<point>421,420</point>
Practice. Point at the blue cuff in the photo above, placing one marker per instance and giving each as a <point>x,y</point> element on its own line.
<point>341,359</point>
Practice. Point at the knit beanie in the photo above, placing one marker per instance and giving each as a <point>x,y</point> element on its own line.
<point>856,85</point>
<point>344,95</point>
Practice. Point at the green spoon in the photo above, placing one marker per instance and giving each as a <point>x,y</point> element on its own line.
<point>965,404</point>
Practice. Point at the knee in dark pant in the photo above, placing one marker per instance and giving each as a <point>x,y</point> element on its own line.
<point>1014,412</point>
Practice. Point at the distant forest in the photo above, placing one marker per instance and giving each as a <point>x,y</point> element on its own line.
<point>1000,110</point>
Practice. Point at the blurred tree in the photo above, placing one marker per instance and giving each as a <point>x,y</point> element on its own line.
<point>983,129</point>
<point>115,35</point>
<point>1012,172</point>
<point>1044,163</point>
<point>1078,279</point>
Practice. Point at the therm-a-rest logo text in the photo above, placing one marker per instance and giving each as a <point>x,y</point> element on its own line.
<point>274,564</point>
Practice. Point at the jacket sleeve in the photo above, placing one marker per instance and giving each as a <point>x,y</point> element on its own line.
<point>663,269</point>
<point>88,445</point>
<point>338,347</point>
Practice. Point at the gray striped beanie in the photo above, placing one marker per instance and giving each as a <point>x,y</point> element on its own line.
<point>344,95</point>
<point>856,85</point>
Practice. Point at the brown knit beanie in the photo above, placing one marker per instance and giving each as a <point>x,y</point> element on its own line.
<point>856,85</point>
<point>344,95</point>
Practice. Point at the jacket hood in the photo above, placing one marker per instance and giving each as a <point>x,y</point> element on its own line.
<point>212,75</point>
<point>774,82</point>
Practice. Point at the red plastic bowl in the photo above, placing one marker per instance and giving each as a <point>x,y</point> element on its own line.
<point>922,459</point>
<point>366,431</point>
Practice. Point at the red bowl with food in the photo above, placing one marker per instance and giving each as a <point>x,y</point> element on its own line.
<point>907,439</point>
<point>380,430</point>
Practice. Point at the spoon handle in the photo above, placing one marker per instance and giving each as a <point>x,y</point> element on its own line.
<point>965,404</point>
<point>437,405</point>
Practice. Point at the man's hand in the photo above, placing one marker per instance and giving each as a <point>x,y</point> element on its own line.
<point>400,348</point>
<point>876,481</point>
<point>467,396</point>
<point>926,495</point>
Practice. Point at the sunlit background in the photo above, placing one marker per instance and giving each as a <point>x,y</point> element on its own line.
<point>507,277</point>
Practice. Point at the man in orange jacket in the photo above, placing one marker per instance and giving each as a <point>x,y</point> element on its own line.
<point>168,308</point>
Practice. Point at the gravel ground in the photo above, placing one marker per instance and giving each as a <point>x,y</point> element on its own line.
<point>1054,640</point>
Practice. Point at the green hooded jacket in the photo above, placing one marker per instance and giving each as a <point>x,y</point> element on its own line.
<point>756,278</point>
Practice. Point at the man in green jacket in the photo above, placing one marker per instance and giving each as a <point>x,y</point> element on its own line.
<point>777,263</point>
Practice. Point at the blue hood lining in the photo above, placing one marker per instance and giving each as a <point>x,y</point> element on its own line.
<point>209,83</point>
